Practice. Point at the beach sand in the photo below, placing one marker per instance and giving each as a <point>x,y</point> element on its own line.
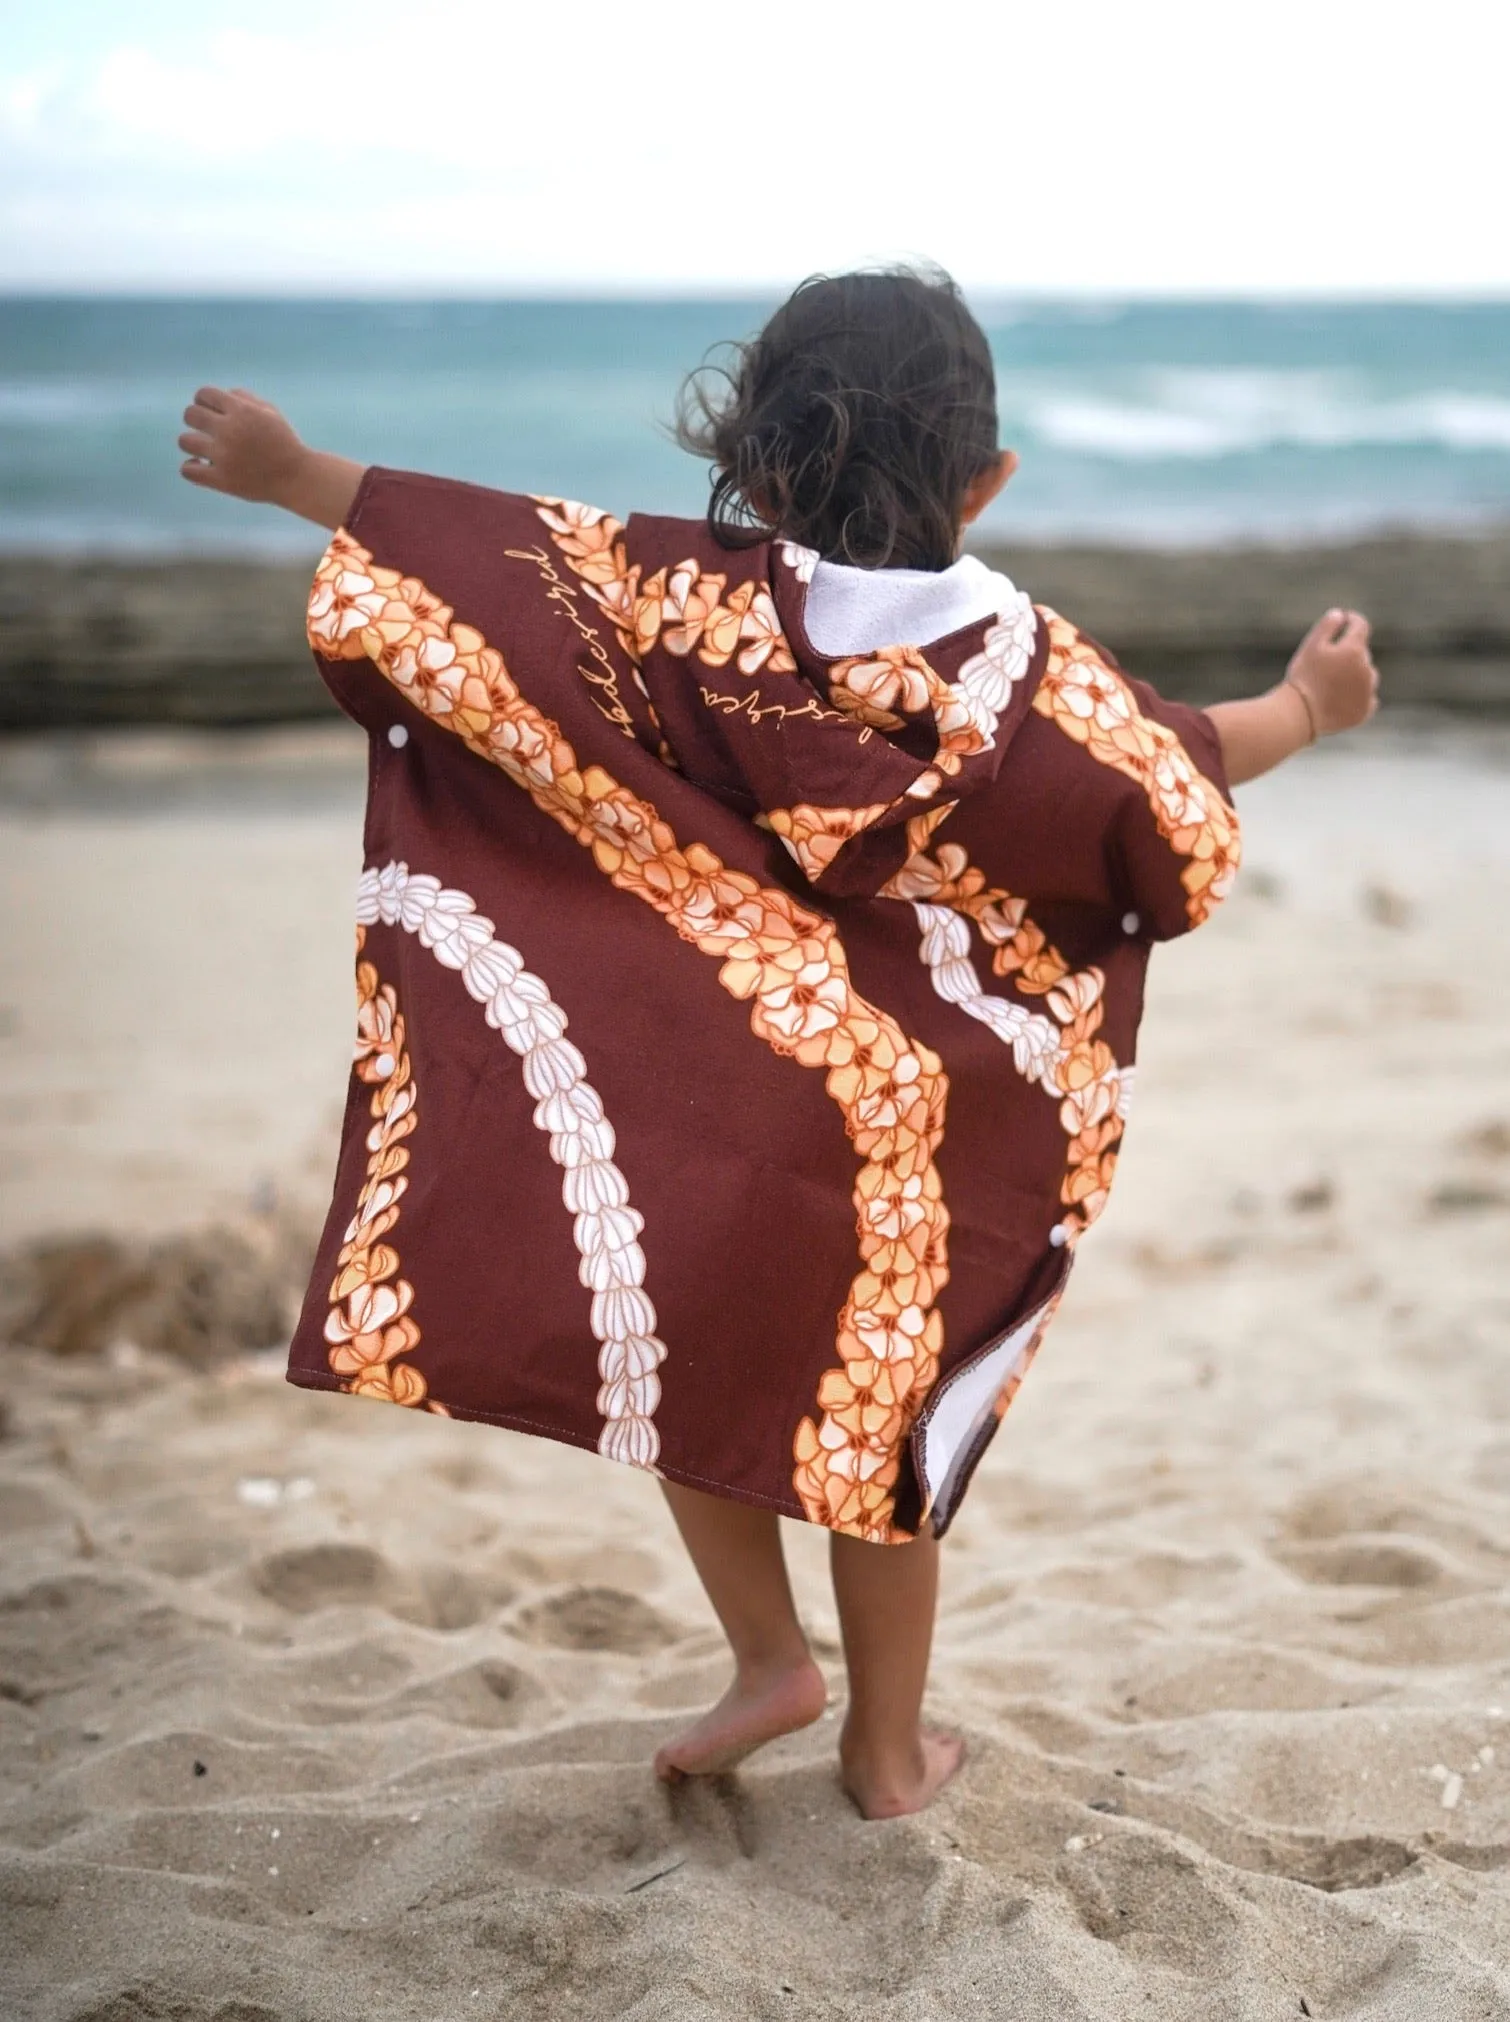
<point>314,1709</point>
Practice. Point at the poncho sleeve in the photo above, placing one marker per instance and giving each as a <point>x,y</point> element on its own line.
<point>1176,846</point>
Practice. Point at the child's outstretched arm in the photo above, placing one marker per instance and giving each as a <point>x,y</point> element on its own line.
<point>239,444</point>
<point>1331,684</point>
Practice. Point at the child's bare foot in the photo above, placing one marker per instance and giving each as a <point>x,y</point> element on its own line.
<point>892,1785</point>
<point>756,1709</point>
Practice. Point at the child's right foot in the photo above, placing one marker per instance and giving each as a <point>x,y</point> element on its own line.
<point>752,1712</point>
<point>891,1786</point>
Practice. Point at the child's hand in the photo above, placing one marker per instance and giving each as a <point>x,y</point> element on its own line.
<point>1337,680</point>
<point>239,444</point>
<point>242,445</point>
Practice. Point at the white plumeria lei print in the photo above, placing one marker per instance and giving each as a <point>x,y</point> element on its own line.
<point>1038,1049</point>
<point>985,683</point>
<point>605,1228</point>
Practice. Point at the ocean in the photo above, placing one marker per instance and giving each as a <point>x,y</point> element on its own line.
<point>1175,423</point>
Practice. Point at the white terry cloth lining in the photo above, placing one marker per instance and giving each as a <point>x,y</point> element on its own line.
<point>961,1407</point>
<point>857,610</point>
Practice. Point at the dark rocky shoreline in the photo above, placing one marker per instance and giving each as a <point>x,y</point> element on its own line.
<point>89,643</point>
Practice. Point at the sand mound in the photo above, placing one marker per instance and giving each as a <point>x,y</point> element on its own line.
<point>199,1297</point>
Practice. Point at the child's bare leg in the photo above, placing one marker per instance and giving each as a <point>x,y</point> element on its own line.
<point>777,1687</point>
<point>886,1596</point>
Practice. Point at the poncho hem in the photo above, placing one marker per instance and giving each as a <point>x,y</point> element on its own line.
<point>513,1421</point>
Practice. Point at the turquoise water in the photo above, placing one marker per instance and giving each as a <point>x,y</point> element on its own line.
<point>1155,422</point>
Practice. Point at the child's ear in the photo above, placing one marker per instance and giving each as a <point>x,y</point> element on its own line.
<point>981,490</point>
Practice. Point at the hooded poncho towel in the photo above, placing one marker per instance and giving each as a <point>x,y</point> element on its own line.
<point>744,1033</point>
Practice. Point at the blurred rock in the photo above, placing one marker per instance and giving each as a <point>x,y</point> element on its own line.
<point>1207,625</point>
<point>199,1297</point>
<point>87,642</point>
<point>1386,908</point>
<point>215,642</point>
<point>66,1294</point>
<point>1466,1197</point>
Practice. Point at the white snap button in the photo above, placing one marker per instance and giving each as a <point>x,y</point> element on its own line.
<point>1130,923</point>
<point>398,736</point>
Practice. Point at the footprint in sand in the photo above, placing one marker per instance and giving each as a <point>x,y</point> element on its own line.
<point>595,1618</point>
<point>69,1628</point>
<point>1369,1861</point>
<point>489,1694</point>
<point>332,1574</point>
<point>1154,1900</point>
<point>1333,1865</point>
<point>1366,1562</point>
<point>307,1577</point>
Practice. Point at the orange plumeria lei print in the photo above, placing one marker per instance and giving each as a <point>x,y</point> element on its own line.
<point>370,1324</point>
<point>786,962</point>
<point>875,687</point>
<point>814,836</point>
<point>1091,703</point>
<point>682,608</point>
<point>685,609</point>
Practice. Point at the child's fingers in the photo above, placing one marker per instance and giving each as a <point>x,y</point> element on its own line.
<point>195,444</point>
<point>1324,631</point>
<point>213,398</point>
<point>202,417</point>
<point>201,474</point>
<point>1356,630</point>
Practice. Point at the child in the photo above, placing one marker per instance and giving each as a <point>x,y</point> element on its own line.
<point>839,862</point>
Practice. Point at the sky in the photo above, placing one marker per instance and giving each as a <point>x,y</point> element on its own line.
<point>472,147</point>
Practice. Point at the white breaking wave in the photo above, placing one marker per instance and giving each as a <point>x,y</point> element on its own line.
<point>1203,415</point>
<point>58,403</point>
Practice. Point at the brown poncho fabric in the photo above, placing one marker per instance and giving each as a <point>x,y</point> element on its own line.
<point>744,1035</point>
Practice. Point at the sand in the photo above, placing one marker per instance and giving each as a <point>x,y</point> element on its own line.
<point>310,1709</point>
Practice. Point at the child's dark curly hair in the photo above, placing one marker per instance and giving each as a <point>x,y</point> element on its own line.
<point>854,423</point>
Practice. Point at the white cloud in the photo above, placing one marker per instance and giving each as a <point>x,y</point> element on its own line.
<point>1101,147</point>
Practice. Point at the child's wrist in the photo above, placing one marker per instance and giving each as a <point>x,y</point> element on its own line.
<point>296,484</point>
<point>1308,723</point>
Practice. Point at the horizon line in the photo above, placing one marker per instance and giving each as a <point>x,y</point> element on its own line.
<point>754,292</point>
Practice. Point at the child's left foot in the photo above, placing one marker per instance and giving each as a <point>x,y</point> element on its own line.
<point>897,1783</point>
<point>752,1712</point>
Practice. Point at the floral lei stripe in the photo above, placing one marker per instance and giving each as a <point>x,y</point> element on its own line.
<point>370,1324</point>
<point>950,879</point>
<point>1061,1055</point>
<point>568,1108</point>
<point>786,961</point>
<point>873,687</point>
<point>1069,1062</point>
<point>1090,703</point>
<point>684,609</point>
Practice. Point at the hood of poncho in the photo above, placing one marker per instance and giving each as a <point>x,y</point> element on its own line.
<point>850,759</point>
